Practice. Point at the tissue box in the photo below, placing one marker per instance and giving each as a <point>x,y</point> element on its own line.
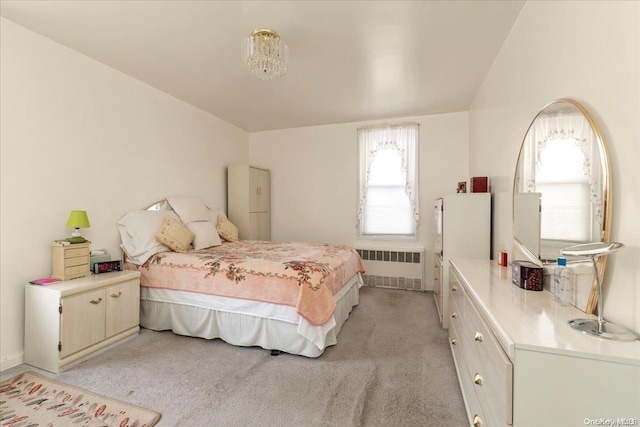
<point>98,255</point>
<point>526,275</point>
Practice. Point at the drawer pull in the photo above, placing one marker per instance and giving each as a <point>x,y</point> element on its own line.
<point>477,421</point>
<point>477,378</point>
<point>478,337</point>
<point>96,301</point>
<point>117,295</point>
<point>454,315</point>
<point>453,341</point>
<point>453,289</point>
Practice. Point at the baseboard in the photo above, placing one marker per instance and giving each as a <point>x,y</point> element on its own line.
<point>10,362</point>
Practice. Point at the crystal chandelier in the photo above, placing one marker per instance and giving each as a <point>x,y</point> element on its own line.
<point>265,55</point>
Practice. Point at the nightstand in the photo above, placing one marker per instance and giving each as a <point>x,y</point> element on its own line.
<point>72,320</point>
<point>70,261</point>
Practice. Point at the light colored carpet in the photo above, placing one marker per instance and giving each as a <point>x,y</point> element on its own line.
<point>391,367</point>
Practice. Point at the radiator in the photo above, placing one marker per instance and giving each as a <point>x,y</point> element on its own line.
<point>393,268</point>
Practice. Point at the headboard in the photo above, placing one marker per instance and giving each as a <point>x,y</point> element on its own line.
<point>162,205</point>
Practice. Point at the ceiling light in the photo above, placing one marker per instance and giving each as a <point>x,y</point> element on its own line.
<point>265,55</point>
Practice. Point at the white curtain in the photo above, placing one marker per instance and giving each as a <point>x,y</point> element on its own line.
<point>403,138</point>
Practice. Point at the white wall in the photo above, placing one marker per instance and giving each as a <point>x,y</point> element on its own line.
<point>79,135</point>
<point>589,51</point>
<point>314,178</point>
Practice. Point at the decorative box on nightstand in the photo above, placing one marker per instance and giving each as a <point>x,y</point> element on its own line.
<point>70,261</point>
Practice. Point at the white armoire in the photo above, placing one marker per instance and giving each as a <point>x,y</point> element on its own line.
<point>463,230</point>
<point>248,201</point>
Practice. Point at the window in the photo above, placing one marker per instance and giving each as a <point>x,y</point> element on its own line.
<point>388,188</point>
<point>566,195</point>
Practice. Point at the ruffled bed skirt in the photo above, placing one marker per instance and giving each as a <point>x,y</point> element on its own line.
<point>294,335</point>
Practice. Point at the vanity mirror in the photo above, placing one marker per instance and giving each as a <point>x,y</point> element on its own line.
<point>561,188</point>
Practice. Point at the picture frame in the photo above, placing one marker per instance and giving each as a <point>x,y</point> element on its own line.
<point>462,187</point>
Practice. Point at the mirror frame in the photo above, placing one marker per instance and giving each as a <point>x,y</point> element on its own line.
<point>605,229</point>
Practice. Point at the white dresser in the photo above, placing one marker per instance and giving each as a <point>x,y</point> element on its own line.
<point>520,364</point>
<point>465,232</point>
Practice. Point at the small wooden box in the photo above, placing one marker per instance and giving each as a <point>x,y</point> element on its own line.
<point>70,261</point>
<point>479,184</point>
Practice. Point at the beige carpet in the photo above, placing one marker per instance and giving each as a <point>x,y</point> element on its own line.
<point>30,399</point>
<point>392,366</point>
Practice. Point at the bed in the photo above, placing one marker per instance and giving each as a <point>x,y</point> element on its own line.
<point>288,297</point>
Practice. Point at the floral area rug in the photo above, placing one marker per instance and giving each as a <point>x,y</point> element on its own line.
<point>32,400</point>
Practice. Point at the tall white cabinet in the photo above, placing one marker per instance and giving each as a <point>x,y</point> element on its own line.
<point>248,194</point>
<point>463,230</point>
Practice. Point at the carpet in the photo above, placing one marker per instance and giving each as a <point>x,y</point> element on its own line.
<point>30,399</point>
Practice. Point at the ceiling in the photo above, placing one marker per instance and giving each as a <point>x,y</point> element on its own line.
<point>349,61</point>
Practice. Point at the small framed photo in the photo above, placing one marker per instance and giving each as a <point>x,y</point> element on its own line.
<point>462,187</point>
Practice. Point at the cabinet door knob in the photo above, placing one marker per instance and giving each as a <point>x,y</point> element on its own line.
<point>96,301</point>
<point>477,378</point>
<point>116,295</point>
<point>477,421</point>
<point>454,315</point>
<point>453,289</point>
<point>453,341</point>
<point>478,337</point>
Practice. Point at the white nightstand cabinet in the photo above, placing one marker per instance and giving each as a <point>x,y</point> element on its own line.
<point>68,322</point>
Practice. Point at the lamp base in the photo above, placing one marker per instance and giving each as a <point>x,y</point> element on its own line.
<point>76,239</point>
<point>606,330</point>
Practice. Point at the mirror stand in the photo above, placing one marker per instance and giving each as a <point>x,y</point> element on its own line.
<point>598,327</point>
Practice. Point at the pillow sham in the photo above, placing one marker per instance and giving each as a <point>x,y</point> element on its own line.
<point>137,233</point>
<point>175,235</point>
<point>206,234</point>
<point>189,209</point>
<point>226,229</point>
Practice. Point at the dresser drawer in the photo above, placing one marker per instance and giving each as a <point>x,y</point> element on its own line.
<point>75,270</point>
<point>76,252</point>
<point>70,262</point>
<point>472,403</point>
<point>489,367</point>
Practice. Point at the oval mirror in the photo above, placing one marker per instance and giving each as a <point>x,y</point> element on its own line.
<point>561,189</point>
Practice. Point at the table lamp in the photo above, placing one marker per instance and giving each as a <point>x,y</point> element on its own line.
<point>77,220</point>
<point>598,327</point>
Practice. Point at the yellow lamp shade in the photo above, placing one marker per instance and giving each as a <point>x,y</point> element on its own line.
<point>78,219</point>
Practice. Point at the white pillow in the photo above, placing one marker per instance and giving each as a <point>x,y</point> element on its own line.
<point>138,234</point>
<point>206,234</point>
<point>189,209</point>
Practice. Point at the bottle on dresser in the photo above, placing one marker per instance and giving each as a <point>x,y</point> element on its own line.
<point>562,282</point>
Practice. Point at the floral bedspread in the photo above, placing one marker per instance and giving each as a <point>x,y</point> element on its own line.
<point>302,275</point>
